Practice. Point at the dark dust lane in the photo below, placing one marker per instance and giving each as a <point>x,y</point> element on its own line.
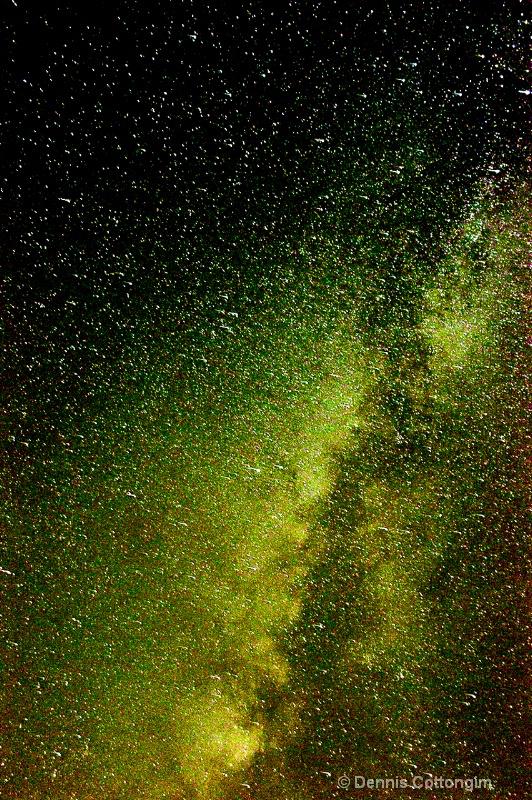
<point>265,468</point>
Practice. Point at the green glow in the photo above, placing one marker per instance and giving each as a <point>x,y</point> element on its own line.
<point>221,520</point>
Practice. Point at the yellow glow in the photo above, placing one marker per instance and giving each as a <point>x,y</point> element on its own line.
<point>212,741</point>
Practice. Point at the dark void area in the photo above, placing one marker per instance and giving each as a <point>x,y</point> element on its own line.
<point>151,156</point>
<point>155,156</point>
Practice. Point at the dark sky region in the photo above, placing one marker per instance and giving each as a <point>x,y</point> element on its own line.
<point>265,464</point>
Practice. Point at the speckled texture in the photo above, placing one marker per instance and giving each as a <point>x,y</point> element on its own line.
<point>266,460</point>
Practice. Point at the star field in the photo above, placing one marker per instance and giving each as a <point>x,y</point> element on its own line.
<point>265,471</point>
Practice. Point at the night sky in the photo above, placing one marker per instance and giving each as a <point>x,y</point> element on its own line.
<point>265,473</point>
